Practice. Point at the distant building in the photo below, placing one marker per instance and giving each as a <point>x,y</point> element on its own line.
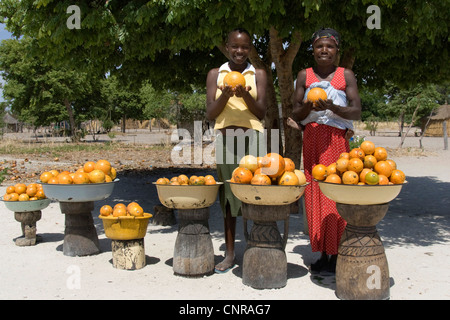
<point>11,123</point>
<point>435,127</point>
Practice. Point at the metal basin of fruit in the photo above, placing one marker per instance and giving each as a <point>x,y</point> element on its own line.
<point>187,196</point>
<point>79,192</point>
<point>360,194</point>
<point>27,206</point>
<point>271,195</point>
<point>125,227</point>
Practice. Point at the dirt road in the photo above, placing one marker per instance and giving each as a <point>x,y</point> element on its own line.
<point>415,233</point>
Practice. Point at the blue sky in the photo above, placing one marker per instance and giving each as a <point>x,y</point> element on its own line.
<point>3,35</point>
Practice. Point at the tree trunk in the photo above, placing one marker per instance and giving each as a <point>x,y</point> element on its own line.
<point>75,137</point>
<point>409,127</point>
<point>124,125</point>
<point>283,59</point>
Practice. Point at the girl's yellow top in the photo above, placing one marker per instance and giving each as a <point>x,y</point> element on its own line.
<point>236,112</point>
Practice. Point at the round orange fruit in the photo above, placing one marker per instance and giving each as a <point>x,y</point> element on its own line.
<point>344,155</point>
<point>333,178</point>
<point>162,181</point>
<point>392,163</point>
<point>289,165</point>
<point>369,161</point>
<point>288,178</point>
<point>301,177</point>
<point>89,166</point>
<point>106,210</point>
<point>242,175</point>
<point>357,153</point>
<point>261,179</point>
<point>319,172</point>
<point>250,162</point>
<point>103,165</point>
<point>331,169</point>
<point>355,164</point>
<point>81,178</point>
<point>13,196</point>
<point>64,178</point>
<point>350,177</point>
<point>234,79</point>
<point>362,175</point>
<point>210,180</point>
<point>341,164</point>
<point>24,197</point>
<point>397,177</point>
<point>383,180</point>
<point>10,189</point>
<point>383,167</point>
<point>20,188</point>
<point>31,190</point>
<point>45,176</point>
<point>120,211</point>
<point>273,165</point>
<point>315,94</point>
<point>135,210</point>
<point>368,147</point>
<point>96,176</point>
<point>380,153</point>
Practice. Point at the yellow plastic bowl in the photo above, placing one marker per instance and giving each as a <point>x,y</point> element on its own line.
<point>126,227</point>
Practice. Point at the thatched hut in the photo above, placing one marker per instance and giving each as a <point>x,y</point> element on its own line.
<point>435,127</point>
<point>11,123</point>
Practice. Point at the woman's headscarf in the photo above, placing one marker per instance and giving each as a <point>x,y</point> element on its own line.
<point>327,33</point>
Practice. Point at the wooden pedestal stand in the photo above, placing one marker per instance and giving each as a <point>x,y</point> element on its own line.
<point>80,236</point>
<point>194,253</point>
<point>264,262</point>
<point>28,223</point>
<point>362,270</point>
<point>128,254</point>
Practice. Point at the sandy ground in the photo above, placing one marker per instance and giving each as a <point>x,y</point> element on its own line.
<point>415,233</point>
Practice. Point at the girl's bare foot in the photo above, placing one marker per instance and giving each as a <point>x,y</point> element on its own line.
<point>226,265</point>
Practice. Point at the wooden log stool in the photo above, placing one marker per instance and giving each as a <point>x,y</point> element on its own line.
<point>265,262</point>
<point>80,236</point>
<point>163,216</point>
<point>362,270</point>
<point>28,224</point>
<point>128,254</point>
<point>194,253</point>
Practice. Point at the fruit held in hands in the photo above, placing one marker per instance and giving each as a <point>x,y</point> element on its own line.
<point>234,79</point>
<point>315,94</point>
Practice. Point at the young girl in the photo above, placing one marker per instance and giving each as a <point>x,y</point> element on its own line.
<point>237,113</point>
<point>327,127</point>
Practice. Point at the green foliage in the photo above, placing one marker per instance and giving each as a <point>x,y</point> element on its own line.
<point>172,44</point>
<point>355,141</point>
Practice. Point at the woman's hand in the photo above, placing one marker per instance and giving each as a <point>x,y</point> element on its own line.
<point>322,105</point>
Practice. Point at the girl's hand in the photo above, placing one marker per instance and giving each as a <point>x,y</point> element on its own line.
<point>239,91</point>
<point>227,91</point>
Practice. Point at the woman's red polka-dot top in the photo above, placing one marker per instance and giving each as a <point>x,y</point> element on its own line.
<point>338,81</point>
